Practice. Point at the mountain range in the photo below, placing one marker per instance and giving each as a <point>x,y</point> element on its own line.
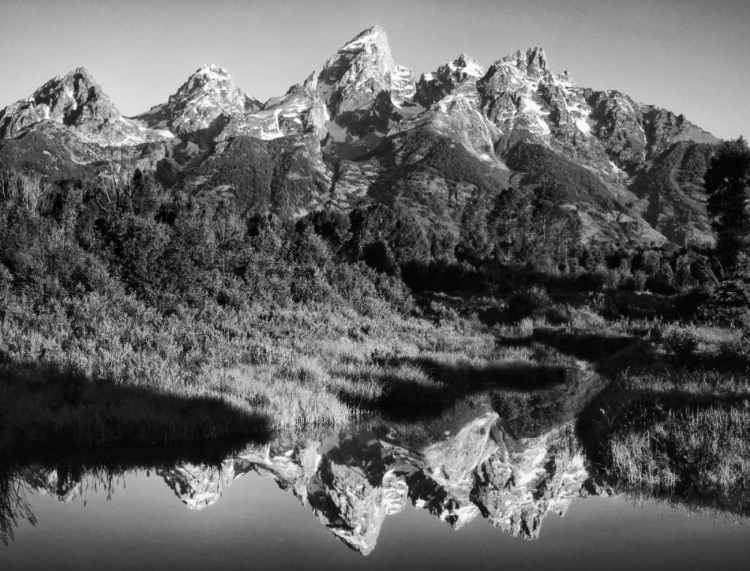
<point>365,130</point>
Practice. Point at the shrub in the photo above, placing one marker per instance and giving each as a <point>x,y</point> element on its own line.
<point>395,292</point>
<point>604,303</point>
<point>679,341</point>
<point>639,280</point>
<point>528,303</point>
<point>442,311</point>
<point>558,315</point>
<point>729,302</point>
<point>6,279</point>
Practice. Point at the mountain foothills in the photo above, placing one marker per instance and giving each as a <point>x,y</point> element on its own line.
<point>364,131</point>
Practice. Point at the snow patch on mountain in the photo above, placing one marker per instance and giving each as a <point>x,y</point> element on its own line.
<point>583,126</point>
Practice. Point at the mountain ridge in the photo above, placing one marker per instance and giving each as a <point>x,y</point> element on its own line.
<point>361,99</point>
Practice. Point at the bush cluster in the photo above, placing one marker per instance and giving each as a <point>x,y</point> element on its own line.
<point>173,251</point>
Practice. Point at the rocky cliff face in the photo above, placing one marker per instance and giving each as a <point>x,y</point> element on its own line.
<point>361,85</point>
<point>370,133</point>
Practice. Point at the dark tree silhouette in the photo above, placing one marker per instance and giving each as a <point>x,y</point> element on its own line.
<point>727,181</point>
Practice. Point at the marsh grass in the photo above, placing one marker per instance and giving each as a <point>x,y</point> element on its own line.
<point>676,432</point>
<point>91,370</point>
<point>703,346</point>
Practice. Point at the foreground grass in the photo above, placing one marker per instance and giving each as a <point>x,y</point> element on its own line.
<point>89,371</point>
<point>676,432</point>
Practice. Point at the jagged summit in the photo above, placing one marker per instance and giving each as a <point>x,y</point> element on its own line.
<point>503,116</point>
<point>469,65</point>
<point>208,77</point>
<point>524,65</point>
<point>211,69</point>
<point>72,100</point>
<point>364,61</point>
<point>68,99</point>
<point>532,60</point>
<point>361,85</point>
<point>370,35</point>
<point>460,75</point>
<point>80,73</point>
<point>522,97</point>
<point>205,102</point>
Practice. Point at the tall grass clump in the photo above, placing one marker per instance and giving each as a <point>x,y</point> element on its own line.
<point>684,433</point>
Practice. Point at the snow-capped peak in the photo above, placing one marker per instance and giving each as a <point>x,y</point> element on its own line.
<point>368,36</point>
<point>467,65</point>
<point>213,71</point>
<point>357,79</point>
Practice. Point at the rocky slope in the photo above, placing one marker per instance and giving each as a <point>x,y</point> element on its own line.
<point>362,131</point>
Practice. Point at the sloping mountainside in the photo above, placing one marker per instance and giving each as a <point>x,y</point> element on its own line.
<point>364,131</point>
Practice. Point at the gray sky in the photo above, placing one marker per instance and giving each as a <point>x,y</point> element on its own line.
<point>688,56</point>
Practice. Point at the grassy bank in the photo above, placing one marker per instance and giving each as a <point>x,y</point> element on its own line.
<point>677,423</point>
<point>93,370</point>
<point>677,432</point>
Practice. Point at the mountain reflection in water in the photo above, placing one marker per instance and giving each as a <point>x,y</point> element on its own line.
<point>352,482</point>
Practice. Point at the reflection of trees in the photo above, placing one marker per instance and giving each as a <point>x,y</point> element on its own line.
<point>68,481</point>
<point>102,472</point>
<point>13,504</point>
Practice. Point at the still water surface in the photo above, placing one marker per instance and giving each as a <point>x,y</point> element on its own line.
<point>471,497</point>
<point>257,525</point>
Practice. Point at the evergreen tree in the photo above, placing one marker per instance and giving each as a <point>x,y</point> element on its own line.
<point>727,181</point>
<point>474,243</point>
